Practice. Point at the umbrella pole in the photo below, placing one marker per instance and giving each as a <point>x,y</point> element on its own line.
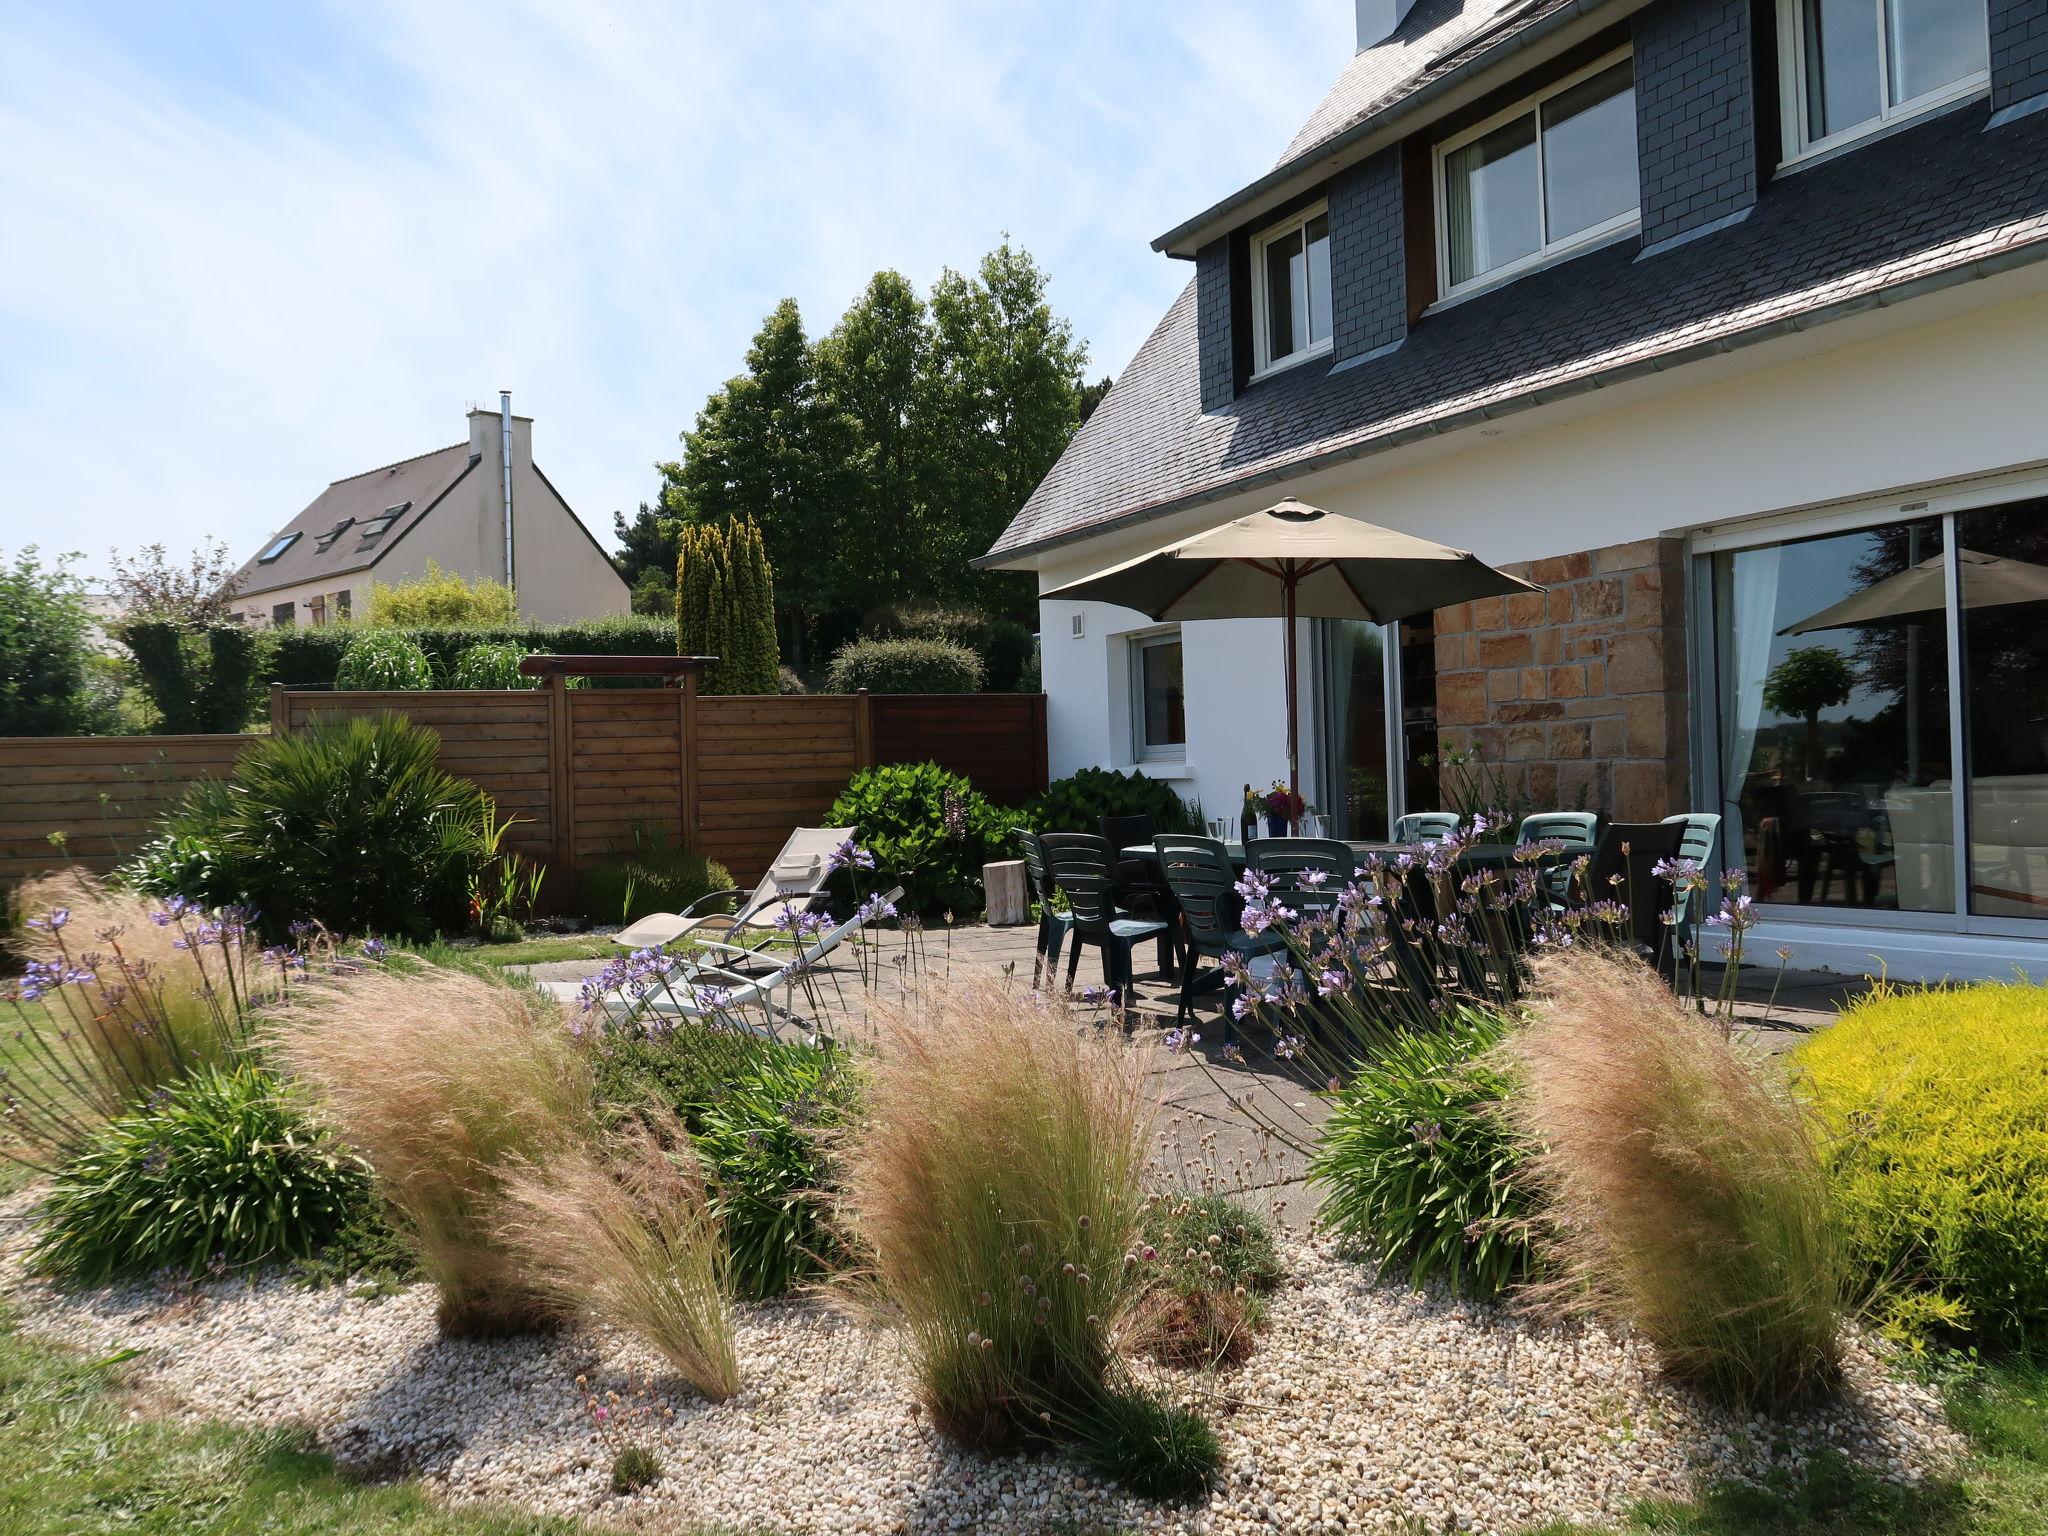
<point>1293,748</point>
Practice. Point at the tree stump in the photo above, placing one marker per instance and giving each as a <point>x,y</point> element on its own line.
<point>1009,896</point>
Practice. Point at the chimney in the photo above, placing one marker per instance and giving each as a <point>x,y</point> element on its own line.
<point>1377,20</point>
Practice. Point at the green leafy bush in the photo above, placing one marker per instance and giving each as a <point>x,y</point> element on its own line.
<point>383,659</point>
<point>494,664</point>
<point>904,666</point>
<point>761,1112</point>
<point>1935,1108</point>
<point>930,831</point>
<point>45,631</point>
<point>1419,1169</point>
<point>217,1167</point>
<point>350,823</point>
<point>1077,802</point>
<point>1003,645</point>
<point>657,875</point>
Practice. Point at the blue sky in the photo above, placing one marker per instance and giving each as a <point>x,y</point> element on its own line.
<point>248,248</point>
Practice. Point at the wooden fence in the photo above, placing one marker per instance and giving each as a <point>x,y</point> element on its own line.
<point>580,769</point>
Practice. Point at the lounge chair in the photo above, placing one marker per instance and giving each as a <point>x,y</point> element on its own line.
<point>703,991</point>
<point>796,878</point>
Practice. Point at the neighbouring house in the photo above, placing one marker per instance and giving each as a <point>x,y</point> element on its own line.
<point>1726,322</point>
<point>451,506</point>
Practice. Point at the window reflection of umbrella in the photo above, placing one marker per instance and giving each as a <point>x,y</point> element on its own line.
<point>1921,592</point>
<point>1294,561</point>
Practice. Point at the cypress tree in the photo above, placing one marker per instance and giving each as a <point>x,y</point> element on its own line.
<point>725,605</point>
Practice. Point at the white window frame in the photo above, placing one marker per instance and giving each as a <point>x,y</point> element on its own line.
<point>1262,341</point>
<point>1798,148</point>
<point>1551,251</point>
<point>1139,644</point>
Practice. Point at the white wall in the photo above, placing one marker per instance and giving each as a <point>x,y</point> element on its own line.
<point>1941,388</point>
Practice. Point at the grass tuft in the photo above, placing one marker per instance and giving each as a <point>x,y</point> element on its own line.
<point>1684,1194</point>
<point>445,1083</point>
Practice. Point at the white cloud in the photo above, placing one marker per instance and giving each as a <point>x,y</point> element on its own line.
<point>229,276</point>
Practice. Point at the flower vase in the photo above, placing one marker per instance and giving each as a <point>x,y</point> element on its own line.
<point>1276,825</point>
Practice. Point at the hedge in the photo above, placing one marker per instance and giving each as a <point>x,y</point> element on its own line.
<point>308,658</point>
<point>904,666</point>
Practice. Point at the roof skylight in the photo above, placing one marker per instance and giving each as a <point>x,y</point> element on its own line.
<point>283,542</point>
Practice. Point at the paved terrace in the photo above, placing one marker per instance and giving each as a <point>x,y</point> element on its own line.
<point>1202,1125</point>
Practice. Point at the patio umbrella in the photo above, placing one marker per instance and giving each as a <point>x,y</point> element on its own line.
<point>1294,561</point>
<point>1989,581</point>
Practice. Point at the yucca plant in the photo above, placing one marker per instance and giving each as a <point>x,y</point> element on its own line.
<point>351,824</point>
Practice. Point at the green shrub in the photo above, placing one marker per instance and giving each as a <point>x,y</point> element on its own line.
<point>1148,1445</point>
<point>494,664</point>
<point>1935,1108</point>
<point>930,831</point>
<point>188,858</point>
<point>45,640</point>
<point>350,823</point>
<point>1003,645</point>
<point>655,876</point>
<point>1680,1189</point>
<point>217,1167</point>
<point>904,666</point>
<point>200,677</point>
<point>1077,802</point>
<point>383,659</point>
<point>761,1112</point>
<point>635,1468</point>
<point>1418,1167</point>
<point>440,597</point>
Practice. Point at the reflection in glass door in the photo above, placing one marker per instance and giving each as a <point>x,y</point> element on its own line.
<point>2002,571</point>
<point>1354,699</point>
<point>1832,660</point>
<point>1421,790</point>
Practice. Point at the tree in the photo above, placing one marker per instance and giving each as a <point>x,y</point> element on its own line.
<point>149,588</point>
<point>725,605</point>
<point>439,599</point>
<point>1092,395</point>
<point>871,377</point>
<point>1007,377</point>
<point>1810,679</point>
<point>647,560</point>
<point>755,452</point>
<point>45,643</point>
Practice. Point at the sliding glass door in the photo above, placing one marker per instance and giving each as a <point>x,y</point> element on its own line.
<point>1859,676</point>
<point>1377,723</point>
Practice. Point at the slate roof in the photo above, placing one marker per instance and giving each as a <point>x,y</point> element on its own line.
<point>1436,41</point>
<point>420,481</point>
<point>1936,204</point>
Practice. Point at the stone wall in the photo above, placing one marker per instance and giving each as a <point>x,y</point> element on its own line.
<point>1575,697</point>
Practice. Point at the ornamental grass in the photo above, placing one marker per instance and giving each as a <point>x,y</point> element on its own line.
<point>1682,1192</point>
<point>995,1193</point>
<point>446,1084</point>
<point>630,1240</point>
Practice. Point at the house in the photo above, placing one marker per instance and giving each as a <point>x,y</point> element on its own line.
<point>1725,322</point>
<point>452,506</point>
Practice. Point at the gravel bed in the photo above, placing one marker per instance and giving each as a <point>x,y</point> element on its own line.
<point>1366,1406</point>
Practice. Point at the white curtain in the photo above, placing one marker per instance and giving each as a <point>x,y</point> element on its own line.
<point>1752,619</point>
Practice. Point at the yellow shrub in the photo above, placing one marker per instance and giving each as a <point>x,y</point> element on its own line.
<point>1936,1109</point>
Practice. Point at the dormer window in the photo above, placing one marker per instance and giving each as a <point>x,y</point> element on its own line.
<point>326,540</point>
<point>1291,315</point>
<point>1854,67</point>
<point>1549,176</point>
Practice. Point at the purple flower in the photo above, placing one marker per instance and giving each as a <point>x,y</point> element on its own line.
<point>1178,1040</point>
<point>849,855</point>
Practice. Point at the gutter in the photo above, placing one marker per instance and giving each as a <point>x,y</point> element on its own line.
<point>2021,255</point>
<point>1370,133</point>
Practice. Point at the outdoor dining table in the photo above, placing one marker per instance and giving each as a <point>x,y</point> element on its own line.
<point>1475,856</point>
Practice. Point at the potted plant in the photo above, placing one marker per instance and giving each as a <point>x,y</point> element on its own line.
<point>1283,809</point>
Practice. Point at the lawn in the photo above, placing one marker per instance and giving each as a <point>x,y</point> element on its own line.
<point>74,1459</point>
<point>2002,1490</point>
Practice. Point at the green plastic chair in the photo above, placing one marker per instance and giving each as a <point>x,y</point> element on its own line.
<point>1287,859</point>
<point>1702,834</point>
<point>1199,874</point>
<point>1082,866</point>
<point>1052,926</point>
<point>1426,827</point>
<point>1579,831</point>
